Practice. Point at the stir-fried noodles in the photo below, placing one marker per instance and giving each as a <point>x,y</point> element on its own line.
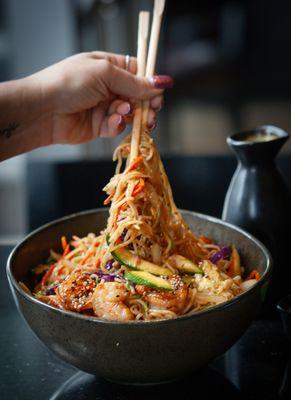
<point>146,264</point>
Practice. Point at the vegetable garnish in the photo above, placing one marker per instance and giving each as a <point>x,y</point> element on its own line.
<point>205,239</point>
<point>254,275</point>
<point>87,256</point>
<point>234,265</point>
<point>64,242</point>
<point>139,187</point>
<point>48,274</point>
<point>223,253</point>
<point>67,250</point>
<point>134,163</point>
<point>108,199</point>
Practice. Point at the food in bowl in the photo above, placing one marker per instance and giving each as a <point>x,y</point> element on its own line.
<point>146,264</point>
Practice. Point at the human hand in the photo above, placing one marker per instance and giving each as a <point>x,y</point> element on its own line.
<point>91,95</point>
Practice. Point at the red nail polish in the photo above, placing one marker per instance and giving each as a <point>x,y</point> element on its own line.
<point>162,81</point>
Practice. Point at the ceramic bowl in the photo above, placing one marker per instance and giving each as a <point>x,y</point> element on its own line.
<point>144,352</point>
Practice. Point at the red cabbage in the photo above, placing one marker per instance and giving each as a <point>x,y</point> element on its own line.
<point>223,253</point>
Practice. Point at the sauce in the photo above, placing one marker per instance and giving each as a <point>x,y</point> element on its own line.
<point>260,137</point>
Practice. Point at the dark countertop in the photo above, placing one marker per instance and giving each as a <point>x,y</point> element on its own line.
<point>252,369</point>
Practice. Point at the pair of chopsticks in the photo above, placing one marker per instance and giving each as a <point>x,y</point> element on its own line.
<point>145,67</point>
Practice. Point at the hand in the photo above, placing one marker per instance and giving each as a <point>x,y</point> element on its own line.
<point>90,95</point>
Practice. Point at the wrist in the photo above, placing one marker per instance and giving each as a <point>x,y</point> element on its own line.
<point>24,117</point>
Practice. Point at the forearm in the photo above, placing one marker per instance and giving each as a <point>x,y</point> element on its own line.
<point>24,117</point>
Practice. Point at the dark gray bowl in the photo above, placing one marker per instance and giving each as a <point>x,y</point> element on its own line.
<point>137,352</point>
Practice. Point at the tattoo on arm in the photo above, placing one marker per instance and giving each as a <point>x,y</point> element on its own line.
<point>9,130</point>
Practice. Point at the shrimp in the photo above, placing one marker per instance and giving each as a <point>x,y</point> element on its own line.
<point>108,301</point>
<point>76,291</point>
<point>174,301</point>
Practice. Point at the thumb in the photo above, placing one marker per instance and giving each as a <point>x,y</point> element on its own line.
<point>123,83</point>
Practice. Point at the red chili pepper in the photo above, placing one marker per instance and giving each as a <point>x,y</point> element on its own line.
<point>98,262</point>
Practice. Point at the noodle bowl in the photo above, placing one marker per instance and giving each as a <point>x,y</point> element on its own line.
<point>146,264</point>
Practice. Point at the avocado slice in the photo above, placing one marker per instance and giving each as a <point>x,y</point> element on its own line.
<point>147,279</point>
<point>125,257</point>
<point>183,264</point>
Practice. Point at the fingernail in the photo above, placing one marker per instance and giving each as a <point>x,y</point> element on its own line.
<point>158,108</point>
<point>152,125</point>
<point>129,109</point>
<point>121,123</point>
<point>162,81</point>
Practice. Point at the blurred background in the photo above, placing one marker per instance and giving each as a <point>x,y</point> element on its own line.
<point>231,61</point>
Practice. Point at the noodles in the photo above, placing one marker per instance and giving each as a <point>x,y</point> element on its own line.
<point>146,264</point>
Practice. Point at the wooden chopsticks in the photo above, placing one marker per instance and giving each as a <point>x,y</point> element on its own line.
<point>145,67</point>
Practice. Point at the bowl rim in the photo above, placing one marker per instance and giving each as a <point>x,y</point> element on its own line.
<point>219,307</point>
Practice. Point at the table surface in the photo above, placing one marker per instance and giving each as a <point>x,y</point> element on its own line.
<point>254,368</point>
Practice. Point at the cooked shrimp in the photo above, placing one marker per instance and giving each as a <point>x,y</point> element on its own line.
<point>76,291</point>
<point>173,301</point>
<point>108,301</point>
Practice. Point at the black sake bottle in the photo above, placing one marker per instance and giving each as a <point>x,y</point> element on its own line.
<point>258,200</point>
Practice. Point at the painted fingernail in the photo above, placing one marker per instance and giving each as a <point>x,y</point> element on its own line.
<point>162,81</point>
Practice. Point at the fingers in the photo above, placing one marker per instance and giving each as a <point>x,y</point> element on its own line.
<point>116,59</point>
<point>156,103</point>
<point>123,83</point>
<point>112,125</point>
<point>121,107</point>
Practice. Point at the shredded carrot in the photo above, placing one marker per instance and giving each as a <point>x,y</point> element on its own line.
<point>48,274</point>
<point>98,263</point>
<point>66,250</point>
<point>97,244</point>
<point>139,187</point>
<point>134,163</point>
<point>108,199</point>
<point>254,275</point>
<point>86,258</point>
<point>205,239</point>
<point>61,270</point>
<point>64,242</point>
<point>116,217</point>
<point>230,271</point>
